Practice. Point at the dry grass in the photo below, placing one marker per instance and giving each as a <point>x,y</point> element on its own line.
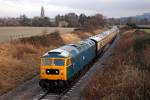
<point>127,73</point>
<point>18,63</point>
<point>76,36</point>
<point>20,59</point>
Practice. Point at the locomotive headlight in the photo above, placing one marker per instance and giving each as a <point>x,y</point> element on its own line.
<point>56,72</point>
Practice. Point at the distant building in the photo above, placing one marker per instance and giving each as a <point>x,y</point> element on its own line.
<point>63,24</point>
<point>42,12</point>
<point>52,20</point>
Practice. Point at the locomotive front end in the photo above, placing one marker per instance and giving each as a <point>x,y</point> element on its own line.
<point>53,68</point>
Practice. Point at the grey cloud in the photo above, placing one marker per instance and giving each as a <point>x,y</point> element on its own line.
<point>98,5</point>
<point>107,7</point>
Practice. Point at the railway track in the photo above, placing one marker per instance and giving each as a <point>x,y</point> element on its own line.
<point>58,94</point>
<point>47,96</point>
<point>51,96</point>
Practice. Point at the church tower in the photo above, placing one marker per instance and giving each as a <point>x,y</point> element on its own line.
<point>42,12</point>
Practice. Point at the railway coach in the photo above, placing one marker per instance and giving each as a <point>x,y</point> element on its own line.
<point>104,38</point>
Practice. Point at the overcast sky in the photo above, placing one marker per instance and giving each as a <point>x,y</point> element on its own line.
<point>109,8</point>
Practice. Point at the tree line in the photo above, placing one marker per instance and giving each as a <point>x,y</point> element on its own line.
<point>129,20</point>
<point>67,20</point>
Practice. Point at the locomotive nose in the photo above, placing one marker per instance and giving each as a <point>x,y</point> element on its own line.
<point>53,73</point>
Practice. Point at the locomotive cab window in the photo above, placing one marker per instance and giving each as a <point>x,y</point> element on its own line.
<point>46,61</point>
<point>59,62</point>
<point>68,63</point>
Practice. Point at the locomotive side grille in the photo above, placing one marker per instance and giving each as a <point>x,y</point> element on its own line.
<point>52,71</point>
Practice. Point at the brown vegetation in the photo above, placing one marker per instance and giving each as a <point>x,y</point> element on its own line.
<point>20,59</point>
<point>126,75</point>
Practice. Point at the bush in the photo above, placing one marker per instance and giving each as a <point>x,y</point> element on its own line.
<point>141,43</point>
<point>44,40</point>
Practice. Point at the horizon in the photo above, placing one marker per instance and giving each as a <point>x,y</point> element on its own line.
<point>114,8</point>
<point>71,12</point>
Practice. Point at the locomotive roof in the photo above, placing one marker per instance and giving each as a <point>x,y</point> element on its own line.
<point>70,50</point>
<point>63,51</point>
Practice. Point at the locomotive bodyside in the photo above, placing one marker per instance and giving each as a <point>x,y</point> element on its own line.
<point>86,54</point>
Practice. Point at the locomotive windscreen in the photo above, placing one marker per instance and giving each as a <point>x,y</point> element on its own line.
<point>46,61</point>
<point>52,62</point>
<point>59,62</point>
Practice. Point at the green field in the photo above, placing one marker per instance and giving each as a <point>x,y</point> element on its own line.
<point>146,30</point>
<point>8,33</point>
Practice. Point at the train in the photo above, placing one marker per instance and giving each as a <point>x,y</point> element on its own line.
<point>60,66</point>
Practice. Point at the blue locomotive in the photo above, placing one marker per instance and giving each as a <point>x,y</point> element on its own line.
<point>61,65</point>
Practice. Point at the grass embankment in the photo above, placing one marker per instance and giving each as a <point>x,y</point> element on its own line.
<point>126,75</point>
<point>20,59</point>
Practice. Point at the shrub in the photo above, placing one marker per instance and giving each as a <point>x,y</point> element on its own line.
<point>141,43</point>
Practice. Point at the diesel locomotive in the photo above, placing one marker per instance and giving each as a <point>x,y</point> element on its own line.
<point>61,65</point>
